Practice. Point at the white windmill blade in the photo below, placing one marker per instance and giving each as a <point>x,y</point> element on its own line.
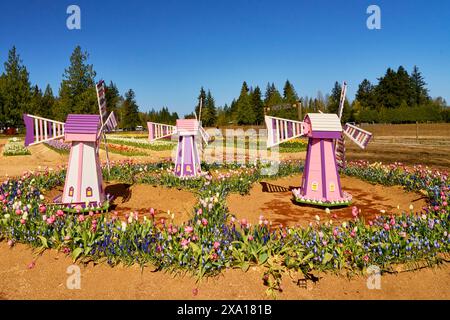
<point>280,130</point>
<point>159,130</point>
<point>359,136</point>
<point>205,136</point>
<point>39,130</point>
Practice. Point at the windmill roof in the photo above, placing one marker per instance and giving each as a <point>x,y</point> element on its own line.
<point>82,124</point>
<point>325,122</point>
<point>187,125</point>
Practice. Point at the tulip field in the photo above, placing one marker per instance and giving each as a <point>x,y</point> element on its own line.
<point>212,239</point>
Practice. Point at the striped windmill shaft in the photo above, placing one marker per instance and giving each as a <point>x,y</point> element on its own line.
<point>340,152</point>
<point>357,135</point>
<point>101,97</point>
<point>281,130</point>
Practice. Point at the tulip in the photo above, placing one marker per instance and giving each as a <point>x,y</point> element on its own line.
<point>204,222</point>
<point>188,229</point>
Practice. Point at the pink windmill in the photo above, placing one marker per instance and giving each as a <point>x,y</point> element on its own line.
<point>83,184</point>
<point>187,161</point>
<point>187,131</point>
<point>321,184</point>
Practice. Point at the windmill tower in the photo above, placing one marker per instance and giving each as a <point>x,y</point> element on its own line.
<point>84,183</point>
<point>188,132</point>
<point>321,184</point>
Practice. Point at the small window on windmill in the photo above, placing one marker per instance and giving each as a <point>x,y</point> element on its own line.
<point>188,168</point>
<point>88,192</point>
<point>71,192</point>
<point>332,187</point>
<point>314,186</point>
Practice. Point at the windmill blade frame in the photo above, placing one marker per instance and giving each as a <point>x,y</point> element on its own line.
<point>158,131</point>
<point>39,129</point>
<point>359,136</point>
<point>280,130</point>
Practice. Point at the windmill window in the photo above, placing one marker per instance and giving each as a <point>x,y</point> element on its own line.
<point>88,192</point>
<point>71,192</point>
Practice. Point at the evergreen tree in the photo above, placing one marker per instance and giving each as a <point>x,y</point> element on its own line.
<point>258,105</point>
<point>113,100</point>
<point>419,89</point>
<point>77,91</point>
<point>48,103</point>
<point>15,90</point>
<point>210,112</point>
<point>272,96</point>
<point>202,98</point>
<point>365,95</point>
<point>245,112</point>
<point>289,94</point>
<point>36,106</point>
<point>130,113</point>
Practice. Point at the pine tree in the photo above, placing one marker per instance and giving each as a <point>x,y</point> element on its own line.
<point>113,100</point>
<point>272,96</point>
<point>130,111</point>
<point>365,95</point>
<point>36,106</point>
<point>419,89</point>
<point>48,103</point>
<point>289,94</point>
<point>210,112</point>
<point>77,91</point>
<point>258,105</point>
<point>15,90</point>
<point>245,112</point>
<point>202,98</point>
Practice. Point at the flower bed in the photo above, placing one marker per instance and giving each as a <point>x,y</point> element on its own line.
<point>213,240</point>
<point>59,146</point>
<point>131,141</point>
<point>15,147</point>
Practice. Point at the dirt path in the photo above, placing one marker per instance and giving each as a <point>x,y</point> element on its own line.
<point>273,199</point>
<point>48,278</point>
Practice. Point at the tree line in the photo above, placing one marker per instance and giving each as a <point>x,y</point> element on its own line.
<point>397,97</point>
<point>76,94</point>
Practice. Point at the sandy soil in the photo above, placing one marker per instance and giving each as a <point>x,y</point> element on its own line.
<point>273,199</point>
<point>140,198</point>
<point>48,278</point>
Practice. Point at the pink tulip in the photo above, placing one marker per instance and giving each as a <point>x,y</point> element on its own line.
<point>386,227</point>
<point>250,238</point>
<point>216,245</point>
<point>23,221</point>
<point>204,222</point>
<point>366,258</point>
<point>31,265</point>
<point>10,243</point>
<point>355,211</point>
<point>80,218</point>
<point>152,212</point>
<point>18,212</point>
<point>42,208</point>
<point>444,203</point>
<point>60,213</point>
<point>188,229</point>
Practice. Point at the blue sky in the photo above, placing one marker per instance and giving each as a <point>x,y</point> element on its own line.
<point>166,50</point>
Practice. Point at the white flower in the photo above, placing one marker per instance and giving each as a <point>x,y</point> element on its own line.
<point>44,217</point>
<point>130,219</point>
<point>124,226</point>
<point>25,216</point>
<point>7,216</point>
<point>411,207</point>
<point>327,210</point>
<point>317,218</point>
<point>41,197</point>
<point>344,225</point>
<point>355,229</point>
<point>383,211</point>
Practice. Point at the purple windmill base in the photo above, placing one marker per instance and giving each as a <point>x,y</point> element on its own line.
<point>187,162</point>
